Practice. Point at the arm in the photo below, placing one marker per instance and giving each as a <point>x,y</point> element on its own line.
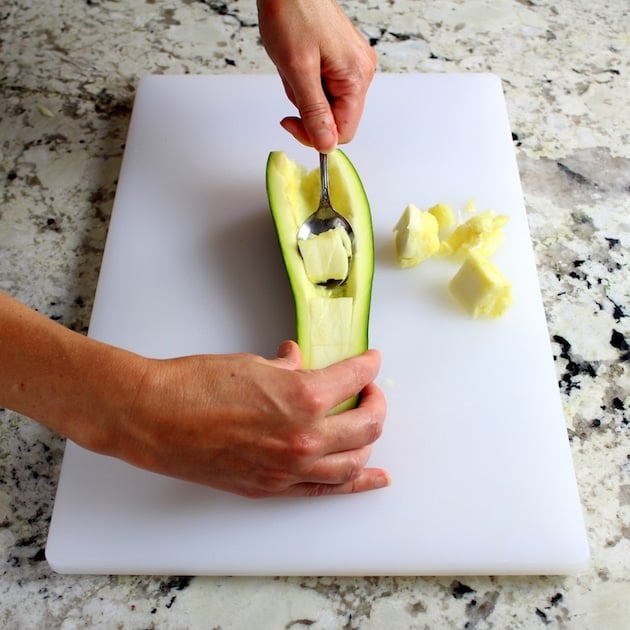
<point>74,385</point>
<point>325,64</point>
<point>239,423</point>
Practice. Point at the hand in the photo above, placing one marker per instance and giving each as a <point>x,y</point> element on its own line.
<point>257,427</point>
<point>239,422</point>
<point>325,64</point>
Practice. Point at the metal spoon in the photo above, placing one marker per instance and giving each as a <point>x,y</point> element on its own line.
<point>326,218</point>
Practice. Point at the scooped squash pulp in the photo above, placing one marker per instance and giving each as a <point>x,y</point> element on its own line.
<point>332,323</point>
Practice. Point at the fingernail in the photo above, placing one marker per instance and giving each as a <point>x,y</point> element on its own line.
<point>384,481</point>
<point>284,349</point>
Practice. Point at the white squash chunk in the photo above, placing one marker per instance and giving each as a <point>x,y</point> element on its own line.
<point>444,216</point>
<point>417,236</point>
<point>481,288</point>
<point>325,255</point>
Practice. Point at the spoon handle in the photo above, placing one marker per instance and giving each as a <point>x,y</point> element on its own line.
<point>323,173</point>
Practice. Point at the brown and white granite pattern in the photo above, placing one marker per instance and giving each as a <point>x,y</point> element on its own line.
<point>67,80</point>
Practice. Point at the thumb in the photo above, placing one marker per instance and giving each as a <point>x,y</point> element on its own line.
<point>288,356</point>
<point>316,125</point>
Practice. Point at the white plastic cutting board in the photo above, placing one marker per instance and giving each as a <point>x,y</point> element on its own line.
<point>475,436</point>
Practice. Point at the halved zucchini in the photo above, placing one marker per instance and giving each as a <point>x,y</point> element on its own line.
<point>332,324</point>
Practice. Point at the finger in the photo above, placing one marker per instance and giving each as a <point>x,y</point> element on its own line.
<point>347,111</point>
<point>338,468</point>
<point>369,479</point>
<point>347,92</point>
<point>345,379</point>
<point>307,93</point>
<point>357,427</point>
<point>288,356</point>
<point>294,126</point>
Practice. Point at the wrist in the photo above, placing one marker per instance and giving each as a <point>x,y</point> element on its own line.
<point>98,413</point>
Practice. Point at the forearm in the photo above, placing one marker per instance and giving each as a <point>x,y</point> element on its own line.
<point>75,385</point>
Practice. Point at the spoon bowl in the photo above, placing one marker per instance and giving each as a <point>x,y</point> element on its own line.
<point>326,218</point>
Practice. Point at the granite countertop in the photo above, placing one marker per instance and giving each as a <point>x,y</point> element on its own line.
<point>68,79</point>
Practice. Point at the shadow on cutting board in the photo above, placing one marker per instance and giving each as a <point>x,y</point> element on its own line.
<point>252,278</point>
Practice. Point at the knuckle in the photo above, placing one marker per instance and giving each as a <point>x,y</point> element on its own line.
<point>310,399</point>
<point>356,79</point>
<point>374,428</point>
<point>307,62</point>
<point>302,447</point>
<point>315,110</point>
<point>360,74</point>
<point>356,464</point>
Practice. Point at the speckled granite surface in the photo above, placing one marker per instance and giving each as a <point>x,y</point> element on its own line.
<point>67,80</point>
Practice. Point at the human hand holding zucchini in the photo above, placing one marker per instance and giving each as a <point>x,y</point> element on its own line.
<point>256,427</point>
